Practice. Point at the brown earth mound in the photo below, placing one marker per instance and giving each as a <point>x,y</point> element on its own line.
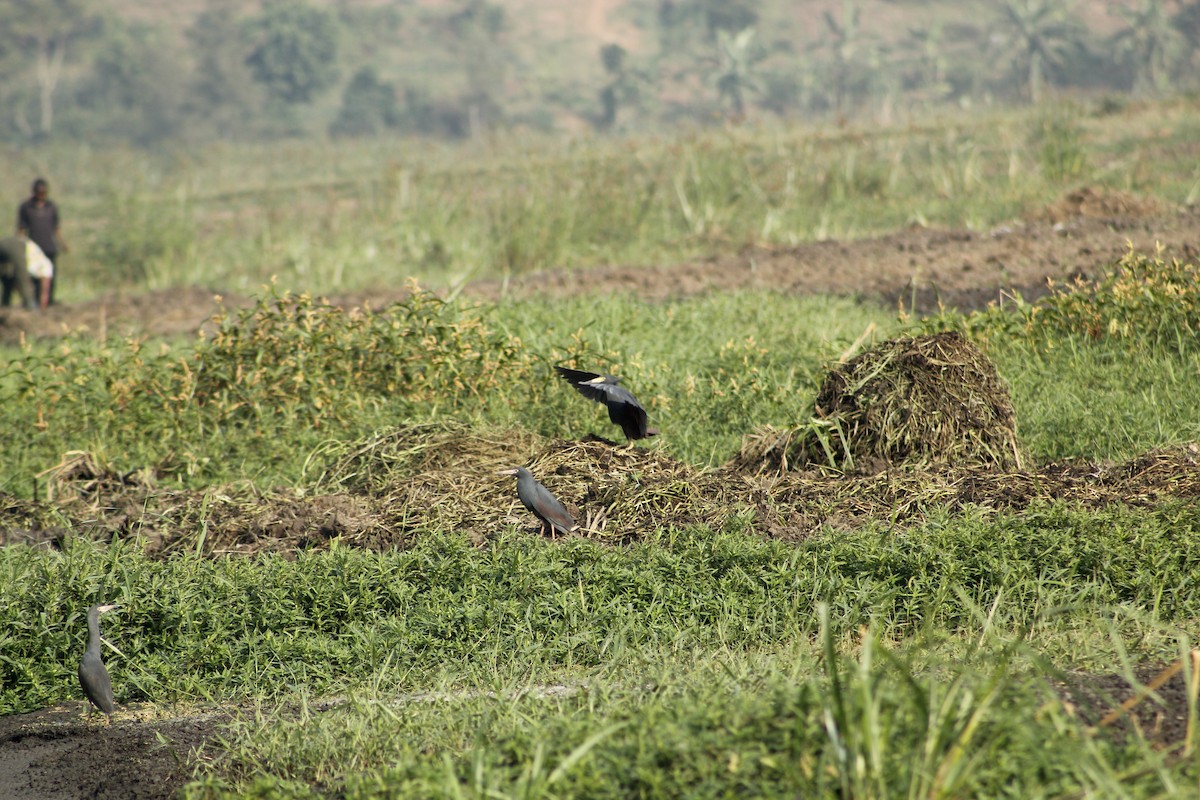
<point>441,479</point>
<point>927,400</point>
<point>921,267</point>
<point>1100,203</point>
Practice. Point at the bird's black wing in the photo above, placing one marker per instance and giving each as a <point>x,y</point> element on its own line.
<point>578,375</point>
<point>631,417</point>
<point>587,385</point>
<point>600,392</point>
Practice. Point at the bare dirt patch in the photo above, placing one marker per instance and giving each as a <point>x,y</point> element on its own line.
<point>1083,233</point>
<point>1154,709</point>
<point>1106,205</point>
<point>54,754</point>
<point>926,266</point>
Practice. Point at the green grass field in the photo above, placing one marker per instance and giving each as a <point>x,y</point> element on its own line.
<point>919,659</point>
<point>342,216</point>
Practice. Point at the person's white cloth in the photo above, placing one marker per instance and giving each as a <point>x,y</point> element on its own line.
<point>37,263</point>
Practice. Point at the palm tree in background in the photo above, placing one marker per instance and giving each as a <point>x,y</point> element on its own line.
<point>737,58</point>
<point>1152,46</point>
<point>843,41</point>
<point>1036,36</point>
<point>926,48</point>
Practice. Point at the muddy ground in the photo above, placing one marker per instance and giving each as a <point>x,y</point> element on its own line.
<point>54,754</point>
<point>1082,234</point>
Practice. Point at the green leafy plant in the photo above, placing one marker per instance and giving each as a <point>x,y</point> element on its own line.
<point>294,356</point>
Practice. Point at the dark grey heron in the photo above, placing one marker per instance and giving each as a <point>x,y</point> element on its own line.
<point>541,503</point>
<point>93,676</point>
<point>623,408</point>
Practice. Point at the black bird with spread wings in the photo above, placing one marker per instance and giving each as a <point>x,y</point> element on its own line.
<point>541,503</point>
<point>623,408</point>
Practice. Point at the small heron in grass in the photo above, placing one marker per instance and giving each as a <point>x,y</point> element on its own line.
<point>541,503</point>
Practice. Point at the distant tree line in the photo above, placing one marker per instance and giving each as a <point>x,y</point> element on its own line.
<point>293,67</point>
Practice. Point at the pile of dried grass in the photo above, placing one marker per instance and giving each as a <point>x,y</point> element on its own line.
<point>792,505</point>
<point>614,493</point>
<point>442,478</point>
<point>430,452</point>
<point>929,400</point>
<point>242,521</point>
<point>626,491</point>
<point>82,474</point>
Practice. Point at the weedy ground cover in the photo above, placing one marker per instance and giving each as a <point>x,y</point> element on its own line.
<point>695,661</point>
<point>712,638</point>
<point>337,217</point>
<point>290,375</point>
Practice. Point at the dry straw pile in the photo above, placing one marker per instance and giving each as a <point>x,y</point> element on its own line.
<point>442,480</point>
<point>913,402</point>
<point>443,477</point>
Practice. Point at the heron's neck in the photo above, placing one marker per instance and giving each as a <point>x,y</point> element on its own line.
<point>94,631</point>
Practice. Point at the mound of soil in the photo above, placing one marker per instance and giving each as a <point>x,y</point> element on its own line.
<point>1103,204</point>
<point>927,400</point>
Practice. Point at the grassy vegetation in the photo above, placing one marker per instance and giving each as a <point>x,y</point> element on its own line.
<point>694,661</point>
<point>869,662</point>
<point>282,379</point>
<point>333,218</point>
<point>689,636</point>
<point>778,725</point>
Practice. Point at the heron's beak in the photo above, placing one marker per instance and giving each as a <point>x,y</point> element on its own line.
<point>597,379</point>
<point>506,472</point>
<point>104,609</point>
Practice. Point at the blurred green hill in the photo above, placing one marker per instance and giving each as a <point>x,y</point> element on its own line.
<point>147,72</point>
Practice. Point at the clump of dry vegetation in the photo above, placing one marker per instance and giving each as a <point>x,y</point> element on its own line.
<point>928,400</point>
<point>295,355</point>
<point>380,492</point>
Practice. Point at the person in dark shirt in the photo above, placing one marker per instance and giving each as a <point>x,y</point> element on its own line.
<point>14,273</point>
<point>37,218</point>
